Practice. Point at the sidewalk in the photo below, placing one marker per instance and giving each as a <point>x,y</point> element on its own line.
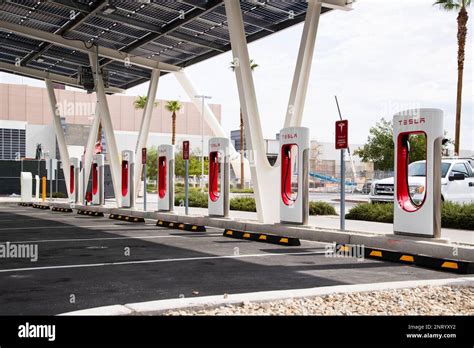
<point>325,222</point>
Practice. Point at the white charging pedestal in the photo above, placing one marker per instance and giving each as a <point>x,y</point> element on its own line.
<point>165,178</point>
<point>74,179</point>
<point>294,175</point>
<point>410,217</point>
<point>128,164</point>
<point>98,162</point>
<point>219,177</point>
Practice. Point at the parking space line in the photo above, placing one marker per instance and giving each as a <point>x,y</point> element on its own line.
<point>111,238</point>
<point>93,227</point>
<point>160,261</point>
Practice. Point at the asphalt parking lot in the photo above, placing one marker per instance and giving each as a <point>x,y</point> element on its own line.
<point>86,262</point>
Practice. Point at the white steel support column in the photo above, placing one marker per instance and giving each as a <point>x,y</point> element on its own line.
<point>63,152</point>
<point>264,176</point>
<point>145,127</point>
<point>112,151</point>
<point>294,113</point>
<point>89,151</point>
<point>211,121</point>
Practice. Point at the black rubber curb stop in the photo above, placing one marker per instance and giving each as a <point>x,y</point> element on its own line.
<point>25,204</point>
<point>262,237</point>
<point>440,264</point>
<point>181,226</point>
<point>127,218</point>
<point>40,206</point>
<point>64,210</point>
<point>89,212</point>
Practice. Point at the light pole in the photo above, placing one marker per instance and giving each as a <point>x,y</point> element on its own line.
<point>202,137</point>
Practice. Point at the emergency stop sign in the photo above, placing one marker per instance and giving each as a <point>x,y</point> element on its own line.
<point>342,141</point>
<point>186,150</point>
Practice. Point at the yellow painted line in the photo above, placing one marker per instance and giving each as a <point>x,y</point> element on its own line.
<point>181,225</point>
<point>120,216</point>
<point>229,233</point>
<point>284,240</point>
<point>263,237</point>
<point>194,228</point>
<point>160,222</point>
<point>407,258</point>
<point>171,224</point>
<point>452,265</point>
<point>127,218</point>
<point>344,248</point>
<point>376,253</point>
<point>246,235</point>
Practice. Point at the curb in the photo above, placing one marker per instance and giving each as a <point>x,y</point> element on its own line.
<point>89,212</point>
<point>262,237</point>
<point>440,264</point>
<point>64,210</point>
<point>207,302</point>
<point>127,218</point>
<point>181,226</point>
<point>24,204</point>
<point>40,206</point>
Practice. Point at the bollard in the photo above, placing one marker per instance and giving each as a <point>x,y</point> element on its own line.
<point>43,188</point>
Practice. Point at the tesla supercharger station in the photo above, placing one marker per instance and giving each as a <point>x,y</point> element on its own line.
<point>26,183</point>
<point>98,162</point>
<point>423,219</point>
<point>128,164</point>
<point>166,178</point>
<point>294,175</point>
<point>219,177</point>
<point>74,179</point>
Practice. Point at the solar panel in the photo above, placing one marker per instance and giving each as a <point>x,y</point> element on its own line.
<point>181,32</point>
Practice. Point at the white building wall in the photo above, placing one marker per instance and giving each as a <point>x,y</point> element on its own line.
<point>39,134</point>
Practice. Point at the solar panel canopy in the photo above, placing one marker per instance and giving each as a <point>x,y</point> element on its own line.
<point>180,32</point>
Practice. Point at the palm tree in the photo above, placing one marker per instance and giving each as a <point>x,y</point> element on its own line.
<point>140,102</point>
<point>173,106</point>
<point>463,17</point>
<point>233,66</point>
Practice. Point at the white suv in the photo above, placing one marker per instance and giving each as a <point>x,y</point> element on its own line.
<point>457,182</point>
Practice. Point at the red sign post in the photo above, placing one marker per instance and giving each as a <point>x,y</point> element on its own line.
<point>186,181</point>
<point>144,155</point>
<point>186,150</point>
<point>342,128</point>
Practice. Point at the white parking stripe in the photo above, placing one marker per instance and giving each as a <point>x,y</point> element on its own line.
<point>111,238</point>
<point>160,261</point>
<point>67,226</point>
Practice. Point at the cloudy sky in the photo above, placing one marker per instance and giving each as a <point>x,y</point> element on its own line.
<point>381,58</point>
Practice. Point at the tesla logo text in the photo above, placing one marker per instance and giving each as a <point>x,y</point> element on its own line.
<point>290,136</point>
<point>411,121</point>
<point>341,126</point>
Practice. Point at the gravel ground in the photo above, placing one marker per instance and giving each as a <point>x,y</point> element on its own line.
<point>441,300</point>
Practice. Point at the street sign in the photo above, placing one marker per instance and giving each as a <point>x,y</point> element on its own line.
<point>186,149</point>
<point>144,155</point>
<point>342,141</point>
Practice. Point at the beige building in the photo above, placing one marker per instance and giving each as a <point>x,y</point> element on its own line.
<point>27,108</point>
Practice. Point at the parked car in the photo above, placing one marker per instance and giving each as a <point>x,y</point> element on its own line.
<point>366,187</point>
<point>457,182</point>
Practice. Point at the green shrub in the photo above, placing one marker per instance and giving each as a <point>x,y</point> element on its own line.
<point>239,190</point>
<point>59,195</point>
<point>372,212</point>
<point>453,215</point>
<point>196,198</point>
<point>321,208</point>
<point>243,204</point>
